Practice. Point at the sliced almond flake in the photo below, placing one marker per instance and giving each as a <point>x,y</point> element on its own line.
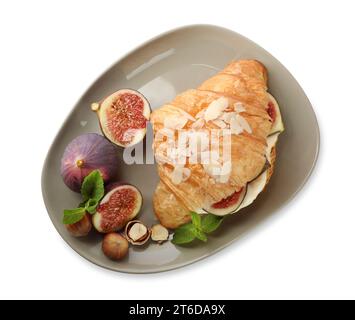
<point>176,176</point>
<point>235,126</point>
<point>187,115</point>
<point>239,107</point>
<point>220,123</point>
<point>175,123</point>
<point>198,124</point>
<point>243,123</point>
<point>180,174</point>
<point>227,116</point>
<point>162,147</point>
<point>215,108</point>
<point>163,159</point>
<point>173,153</point>
<point>200,114</point>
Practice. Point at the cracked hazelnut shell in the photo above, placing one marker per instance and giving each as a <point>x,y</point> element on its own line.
<point>137,233</point>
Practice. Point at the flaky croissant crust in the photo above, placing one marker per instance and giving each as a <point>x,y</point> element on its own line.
<point>244,82</point>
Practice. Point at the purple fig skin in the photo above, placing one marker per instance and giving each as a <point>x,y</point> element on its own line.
<point>85,154</point>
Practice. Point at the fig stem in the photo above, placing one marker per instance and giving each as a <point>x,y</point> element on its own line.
<point>80,163</point>
<point>95,106</point>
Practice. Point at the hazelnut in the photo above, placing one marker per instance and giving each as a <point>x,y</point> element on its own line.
<point>114,246</point>
<point>80,228</point>
<point>159,233</point>
<point>137,233</point>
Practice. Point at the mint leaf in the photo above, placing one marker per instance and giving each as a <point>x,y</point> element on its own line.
<point>196,220</point>
<point>200,235</point>
<point>197,228</point>
<point>74,215</point>
<point>91,205</point>
<point>211,222</point>
<point>184,234</point>
<point>92,190</point>
<point>82,204</point>
<point>93,186</point>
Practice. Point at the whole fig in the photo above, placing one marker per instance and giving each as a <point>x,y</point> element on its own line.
<point>87,153</point>
<point>80,228</point>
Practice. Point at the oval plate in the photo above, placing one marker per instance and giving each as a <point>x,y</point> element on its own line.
<point>160,69</point>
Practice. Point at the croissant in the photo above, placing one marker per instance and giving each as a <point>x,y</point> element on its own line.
<point>235,101</point>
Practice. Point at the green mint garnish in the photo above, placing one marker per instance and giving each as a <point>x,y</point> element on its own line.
<point>74,215</point>
<point>196,220</point>
<point>92,191</point>
<point>93,186</point>
<point>200,235</point>
<point>211,222</point>
<point>184,234</point>
<point>91,206</point>
<point>197,228</point>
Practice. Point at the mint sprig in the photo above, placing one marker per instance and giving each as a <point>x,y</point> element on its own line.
<point>93,187</point>
<point>184,234</point>
<point>198,228</point>
<point>211,223</point>
<point>91,205</point>
<point>196,220</point>
<point>73,215</point>
<point>92,191</point>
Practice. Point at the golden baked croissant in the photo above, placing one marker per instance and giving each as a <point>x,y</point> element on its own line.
<point>236,101</point>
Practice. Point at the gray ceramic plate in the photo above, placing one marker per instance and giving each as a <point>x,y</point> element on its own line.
<point>160,69</point>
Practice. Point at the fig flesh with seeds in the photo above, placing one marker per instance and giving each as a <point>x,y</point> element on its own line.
<point>228,205</point>
<point>123,117</point>
<point>119,206</point>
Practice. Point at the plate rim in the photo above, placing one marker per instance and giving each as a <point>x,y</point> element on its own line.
<point>166,268</point>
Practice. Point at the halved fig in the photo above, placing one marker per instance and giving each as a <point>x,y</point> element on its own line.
<point>254,189</point>
<point>119,206</point>
<point>256,186</point>
<point>228,205</point>
<point>123,117</point>
<point>271,143</point>
<point>267,165</point>
<point>273,110</point>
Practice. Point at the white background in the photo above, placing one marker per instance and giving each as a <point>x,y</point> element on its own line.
<point>50,52</point>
